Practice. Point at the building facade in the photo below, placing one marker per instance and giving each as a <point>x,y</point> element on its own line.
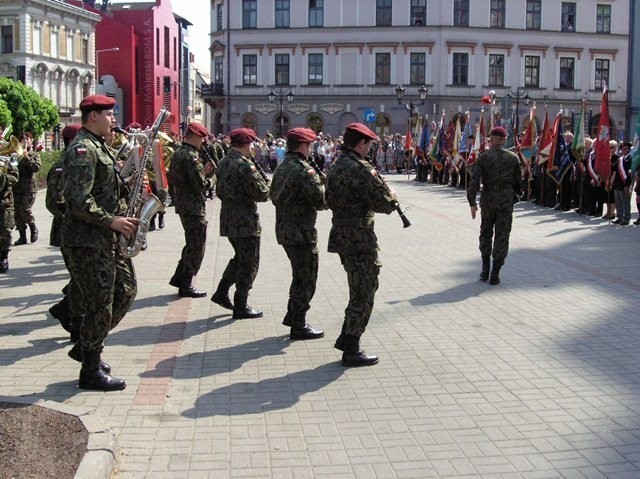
<point>49,45</point>
<point>343,60</point>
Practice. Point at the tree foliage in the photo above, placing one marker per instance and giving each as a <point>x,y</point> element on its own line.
<point>5,114</point>
<point>28,110</point>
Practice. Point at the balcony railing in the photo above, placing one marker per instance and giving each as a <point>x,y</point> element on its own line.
<point>213,89</point>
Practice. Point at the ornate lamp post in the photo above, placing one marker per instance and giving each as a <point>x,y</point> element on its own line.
<point>281,93</point>
<point>114,49</point>
<point>411,107</point>
<point>519,94</point>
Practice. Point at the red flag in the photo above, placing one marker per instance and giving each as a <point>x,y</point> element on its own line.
<point>603,154</point>
<point>478,141</point>
<point>553,138</point>
<point>545,142</point>
<point>408,143</point>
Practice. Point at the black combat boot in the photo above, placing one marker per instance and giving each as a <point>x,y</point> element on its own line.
<point>353,356</point>
<point>4,261</point>
<point>301,330</point>
<point>241,310</point>
<point>34,232</point>
<point>23,237</point>
<point>486,265</point>
<point>176,279</point>
<point>92,377</point>
<point>188,290</point>
<point>495,274</point>
<point>339,344</point>
<point>74,334</point>
<point>161,220</point>
<point>60,311</point>
<point>75,353</point>
<point>221,296</point>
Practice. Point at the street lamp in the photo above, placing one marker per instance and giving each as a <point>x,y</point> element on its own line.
<point>411,107</point>
<point>281,93</point>
<point>519,94</point>
<point>114,49</point>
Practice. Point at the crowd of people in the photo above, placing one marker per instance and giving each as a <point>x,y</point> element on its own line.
<point>89,195</point>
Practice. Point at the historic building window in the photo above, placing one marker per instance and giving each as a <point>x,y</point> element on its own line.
<point>567,67</point>
<point>460,73</point>
<point>602,73</point>
<point>497,13</point>
<point>282,69</point>
<point>496,70</point>
<point>460,13</point>
<point>532,71</point>
<point>603,18</point>
<point>534,14</point>
<point>219,17</point>
<point>167,49</point>
<point>383,68</point>
<point>568,17</point>
<point>418,12</point>
<point>417,68</point>
<point>250,70</point>
<point>316,13</point>
<point>315,68</point>
<point>282,14</point>
<point>249,14</point>
<point>218,69</point>
<point>6,39</point>
<point>383,13</point>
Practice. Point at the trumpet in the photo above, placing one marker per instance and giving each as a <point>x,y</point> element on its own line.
<point>405,221</point>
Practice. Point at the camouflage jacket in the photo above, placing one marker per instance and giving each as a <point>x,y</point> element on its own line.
<point>54,200</point>
<point>190,183</point>
<point>240,186</point>
<point>28,165</point>
<point>9,176</point>
<point>501,176</point>
<point>92,193</point>
<point>297,193</point>
<point>354,193</point>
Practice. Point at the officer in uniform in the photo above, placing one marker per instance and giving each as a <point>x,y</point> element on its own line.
<point>240,184</point>
<point>501,176</point>
<point>24,191</point>
<point>69,310</point>
<point>297,192</point>
<point>92,224</point>
<point>8,177</point>
<point>190,178</point>
<point>354,192</point>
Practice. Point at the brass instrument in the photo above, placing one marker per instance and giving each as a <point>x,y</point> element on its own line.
<point>13,146</point>
<point>141,152</point>
<point>405,221</point>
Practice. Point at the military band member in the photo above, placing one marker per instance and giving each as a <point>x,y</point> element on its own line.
<point>92,224</point>
<point>24,191</point>
<point>499,171</point>
<point>354,192</point>
<point>297,191</point>
<point>240,184</point>
<point>191,177</point>
<point>8,177</point>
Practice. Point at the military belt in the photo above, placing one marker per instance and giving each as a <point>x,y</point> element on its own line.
<point>352,221</point>
<point>497,186</point>
<point>297,220</point>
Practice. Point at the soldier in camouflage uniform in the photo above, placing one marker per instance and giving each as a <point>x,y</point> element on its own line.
<point>501,176</point>
<point>90,231</point>
<point>239,186</point>
<point>354,193</point>
<point>24,191</point>
<point>297,191</point>
<point>191,178</point>
<point>211,152</point>
<point>8,177</point>
<point>69,310</point>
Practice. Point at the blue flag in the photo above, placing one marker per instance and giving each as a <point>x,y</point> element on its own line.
<point>561,159</point>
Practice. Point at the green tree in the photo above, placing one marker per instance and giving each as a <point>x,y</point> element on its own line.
<point>5,115</point>
<point>29,111</point>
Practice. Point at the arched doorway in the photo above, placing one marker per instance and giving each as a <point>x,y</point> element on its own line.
<point>249,120</point>
<point>345,119</point>
<point>315,122</point>
<point>280,125</point>
<point>217,123</point>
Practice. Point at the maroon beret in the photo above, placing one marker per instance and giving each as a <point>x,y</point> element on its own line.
<point>362,130</point>
<point>242,135</point>
<point>133,126</point>
<point>198,129</point>
<point>302,135</point>
<point>97,102</point>
<point>69,132</point>
<point>498,131</point>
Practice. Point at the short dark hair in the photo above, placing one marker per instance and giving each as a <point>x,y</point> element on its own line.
<point>352,138</point>
<point>293,145</point>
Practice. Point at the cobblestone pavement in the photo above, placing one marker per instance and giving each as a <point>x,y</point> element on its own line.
<point>537,377</point>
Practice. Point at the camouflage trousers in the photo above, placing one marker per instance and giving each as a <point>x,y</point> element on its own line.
<point>362,276</point>
<point>72,293</point>
<point>107,283</point>
<point>304,275</point>
<point>6,225</point>
<point>495,228</point>
<point>195,237</point>
<point>23,203</point>
<point>242,269</point>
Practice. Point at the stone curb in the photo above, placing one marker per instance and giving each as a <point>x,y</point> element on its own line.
<point>99,459</point>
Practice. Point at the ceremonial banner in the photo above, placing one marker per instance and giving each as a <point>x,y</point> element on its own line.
<point>603,154</point>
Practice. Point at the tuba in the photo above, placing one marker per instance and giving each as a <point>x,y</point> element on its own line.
<point>10,152</point>
<point>138,206</point>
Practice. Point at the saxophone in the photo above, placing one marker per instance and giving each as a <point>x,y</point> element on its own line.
<point>141,205</point>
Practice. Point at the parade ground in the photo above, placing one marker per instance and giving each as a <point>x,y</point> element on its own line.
<point>538,377</point>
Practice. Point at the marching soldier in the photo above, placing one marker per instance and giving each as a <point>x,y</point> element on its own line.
<point>354,192</point>
<point>190,179</point>
<point>297,191</point>
<point>24,191</point>
<point>92,222</point>
<point>8,177</point>
<point>501,176</point>
<point>240,184</point>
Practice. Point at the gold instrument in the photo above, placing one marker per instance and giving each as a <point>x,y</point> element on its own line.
<point>138,158</point>
<point>13,146</point>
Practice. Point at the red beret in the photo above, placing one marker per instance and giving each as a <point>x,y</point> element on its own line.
<point>498,131</point>
<point>97,102</point>
<point>242,135</point>
<point>362,130</point>
<point>198,129</point>
<point>302,135</point>
<point>69,132</point>
<point>133,126</point>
